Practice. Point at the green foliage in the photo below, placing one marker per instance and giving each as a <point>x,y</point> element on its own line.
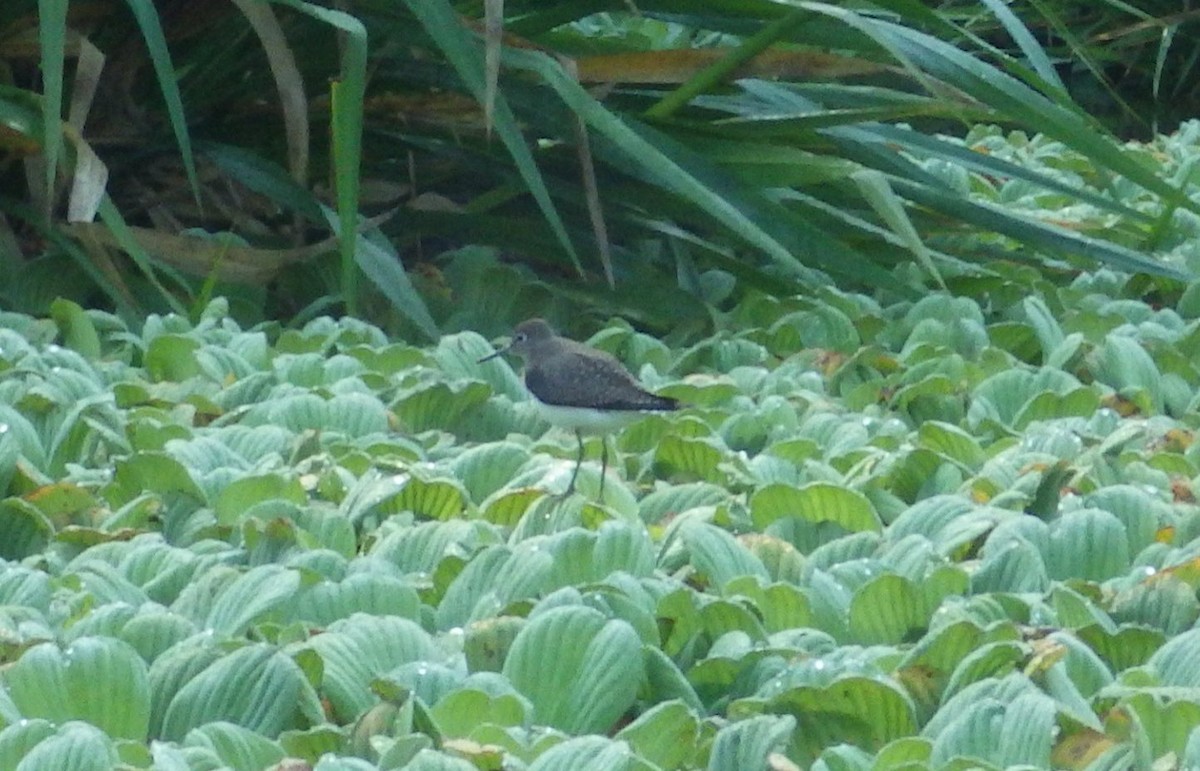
<point>919,547</point>
<point>279,153</point>
<point>1132,65</point>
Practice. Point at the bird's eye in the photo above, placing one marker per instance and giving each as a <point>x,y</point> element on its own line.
<point>520,337</point>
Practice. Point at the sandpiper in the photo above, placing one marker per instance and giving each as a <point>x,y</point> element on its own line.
<point>579,388</point>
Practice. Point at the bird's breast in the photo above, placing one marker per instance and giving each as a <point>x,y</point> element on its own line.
<point>586,419</point>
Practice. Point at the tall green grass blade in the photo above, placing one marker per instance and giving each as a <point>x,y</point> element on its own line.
<point>264,177</point>
<point>1030,231</point>
<point>782,101</point>
<point>1025,41</point>
<point>347,101</point>
<point>1160,59</point>
<point>111,216</point>
<point>716,73</point>
<point>156,45</point>
<point>1083,53</point>
<point>1010,96</point>
<point>52,33</point>
<point>443,25</point>
<point>347,94</point>
<point>493,40</point>
<point>874,145</point>
<point>997,167</point>
<point>917,14</point>
<point>879,194</point>
<point>380,262</point>
<point>655,158</point>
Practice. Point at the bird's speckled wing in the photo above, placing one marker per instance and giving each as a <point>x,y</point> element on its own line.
<point>590,379</point>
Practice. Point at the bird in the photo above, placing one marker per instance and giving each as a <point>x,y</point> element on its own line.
<point>579,388</point>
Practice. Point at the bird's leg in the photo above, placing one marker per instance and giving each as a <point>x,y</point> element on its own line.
<point>578,463</point>
<point>603,465</point>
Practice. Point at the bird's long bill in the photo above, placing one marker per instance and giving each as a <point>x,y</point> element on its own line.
<point>493,354</point>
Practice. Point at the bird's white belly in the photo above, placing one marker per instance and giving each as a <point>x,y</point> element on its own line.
<point>586,419</point>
